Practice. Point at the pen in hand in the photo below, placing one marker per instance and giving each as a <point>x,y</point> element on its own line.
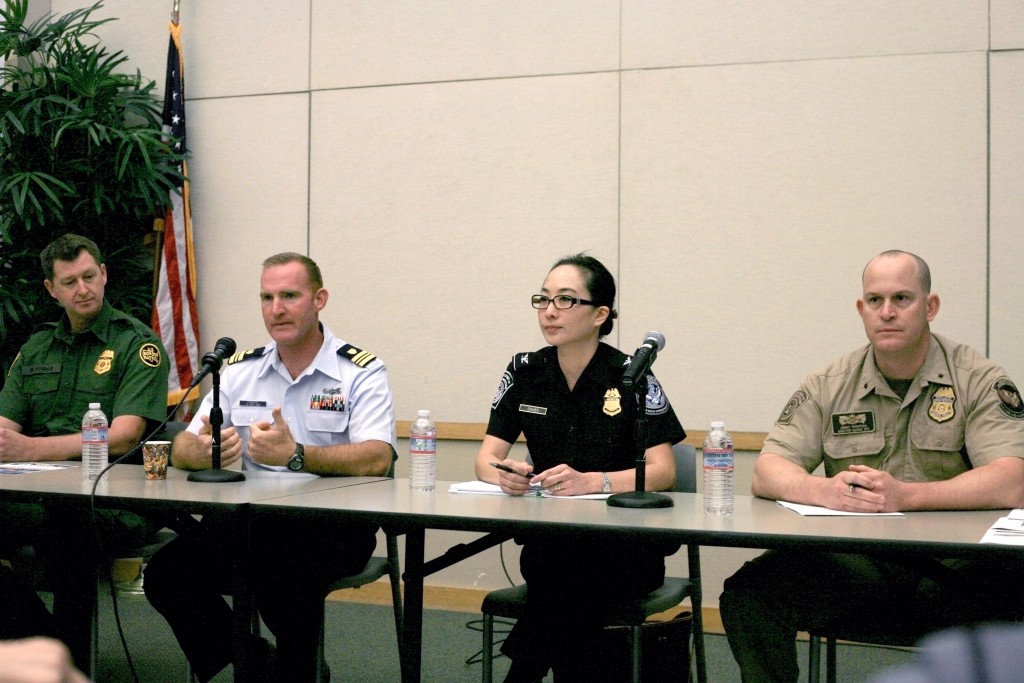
<point>505,468</point>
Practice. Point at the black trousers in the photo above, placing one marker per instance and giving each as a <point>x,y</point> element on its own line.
<point>781,592</point>
<point>571,584</point>
<point>293,563</point>
<point>70,548</point>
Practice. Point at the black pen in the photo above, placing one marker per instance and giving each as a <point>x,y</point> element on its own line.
<point>505,468</point>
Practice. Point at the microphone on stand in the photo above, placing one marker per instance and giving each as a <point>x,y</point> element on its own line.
<point>643,358</point>
<point>635,377</point>
<point>211,366</point>
<point>212,361</point>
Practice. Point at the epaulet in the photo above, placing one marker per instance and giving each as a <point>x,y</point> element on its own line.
<point>246,355</point>
<point>523,362</point>
<point>356,355</point>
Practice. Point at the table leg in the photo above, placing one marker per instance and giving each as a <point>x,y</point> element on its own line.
<point>243,609</point>
<point>413,628</point>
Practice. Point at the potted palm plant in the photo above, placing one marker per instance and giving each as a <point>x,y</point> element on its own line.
<point>81,150</point>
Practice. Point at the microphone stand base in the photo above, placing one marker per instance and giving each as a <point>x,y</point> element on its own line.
<point>216,476</point>
<point>639,499</point>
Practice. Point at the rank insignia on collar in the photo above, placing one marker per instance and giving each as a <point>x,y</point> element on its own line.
<point>105,362</point>
<point>943,407</point>
<point>612,402</point>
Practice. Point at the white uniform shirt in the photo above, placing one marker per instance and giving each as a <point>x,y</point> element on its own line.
<point>336,400</point>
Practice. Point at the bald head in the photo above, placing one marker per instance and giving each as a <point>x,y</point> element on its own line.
<point>924,273</point>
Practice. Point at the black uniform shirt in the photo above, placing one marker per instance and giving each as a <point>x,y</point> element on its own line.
<point>591,428</point>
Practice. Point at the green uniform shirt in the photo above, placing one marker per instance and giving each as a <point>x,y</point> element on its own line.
<point>960,408</point>
<point>118,362</point>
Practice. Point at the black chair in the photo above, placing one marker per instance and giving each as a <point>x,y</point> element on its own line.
<point>508,602</point>
<point>376,568</point>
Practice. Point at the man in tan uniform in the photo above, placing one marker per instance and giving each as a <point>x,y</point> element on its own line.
<point>912,421</point>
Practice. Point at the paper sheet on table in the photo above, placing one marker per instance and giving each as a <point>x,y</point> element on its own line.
<point>816,511</point>
<point>478,487</point>
<point>1007,530</point>
<point>23,467</point>
<point>484,488</point>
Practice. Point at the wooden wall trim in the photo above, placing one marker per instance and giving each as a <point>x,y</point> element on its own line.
<point>474,431</point>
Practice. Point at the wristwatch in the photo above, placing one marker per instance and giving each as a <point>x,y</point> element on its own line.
<point>606,485</point>
<point>298,460</point>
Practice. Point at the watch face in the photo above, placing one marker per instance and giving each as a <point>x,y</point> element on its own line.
<point>296,462</point>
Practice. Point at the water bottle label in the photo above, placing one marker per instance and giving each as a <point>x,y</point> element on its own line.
<point>94,434</point>
<point>718,458</point>
<point>422,446</point>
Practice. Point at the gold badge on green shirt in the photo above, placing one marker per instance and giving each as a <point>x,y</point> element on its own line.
<point>942,408</point>
<point>105,362</point>
<point>612,405</point>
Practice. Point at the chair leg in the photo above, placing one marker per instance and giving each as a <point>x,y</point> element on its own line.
<point>700,654</point>
<point>636,640</point>
<point>321,663</point>
<point>486,653</point>
<point>830,659</point>
<point>813,658</point>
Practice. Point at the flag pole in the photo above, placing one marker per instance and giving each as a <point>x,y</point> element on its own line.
<point>158,250</point>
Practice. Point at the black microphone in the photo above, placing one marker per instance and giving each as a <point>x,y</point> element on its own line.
<point>643,358</point>
<point>212,361</point>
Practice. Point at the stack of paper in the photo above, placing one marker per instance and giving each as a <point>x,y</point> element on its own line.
<point>1007,530</point>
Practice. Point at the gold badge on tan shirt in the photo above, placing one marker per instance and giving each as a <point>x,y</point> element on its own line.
<point>942,408</point>
<point>612,402</point>
<point>105,362</point>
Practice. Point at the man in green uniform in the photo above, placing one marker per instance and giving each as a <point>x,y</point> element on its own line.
<point>93,354</point>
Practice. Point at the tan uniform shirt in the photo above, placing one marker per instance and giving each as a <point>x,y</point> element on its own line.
<point>960,408</point>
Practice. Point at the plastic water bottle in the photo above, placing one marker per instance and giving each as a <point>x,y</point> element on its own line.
<point>423,453</point>
<point>94,442</point>
<point>719,471</point>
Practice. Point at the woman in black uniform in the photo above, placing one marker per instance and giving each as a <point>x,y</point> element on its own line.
<point>567,399</point>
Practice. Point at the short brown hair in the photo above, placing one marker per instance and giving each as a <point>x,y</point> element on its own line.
<point>67,248</point>
<point>316,280</point>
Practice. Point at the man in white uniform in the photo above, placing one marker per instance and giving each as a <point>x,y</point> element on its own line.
<point>306,402</point>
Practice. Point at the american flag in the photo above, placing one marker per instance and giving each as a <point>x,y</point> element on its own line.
<point>175,317</point>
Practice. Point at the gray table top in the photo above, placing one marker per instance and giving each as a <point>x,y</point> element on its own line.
<point>756,523</point>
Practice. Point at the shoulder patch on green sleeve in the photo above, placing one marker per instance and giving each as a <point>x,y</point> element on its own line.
<point>150,355</point>
<point>356,355</point>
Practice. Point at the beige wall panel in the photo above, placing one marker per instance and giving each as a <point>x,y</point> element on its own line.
<point>1007,254</point>
<point>1007,24</point>
<point>245,47</point>
<point>753,196</point>
<point>436,211</point>
<point>355,43</point>
<point>244,208</point>
<point>232,47</point>
<point>680,32</point>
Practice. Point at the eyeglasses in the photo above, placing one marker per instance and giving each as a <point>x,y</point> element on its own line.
<point>562,301</point>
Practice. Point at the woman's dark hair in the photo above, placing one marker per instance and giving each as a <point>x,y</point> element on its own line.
<point>599,282</point>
